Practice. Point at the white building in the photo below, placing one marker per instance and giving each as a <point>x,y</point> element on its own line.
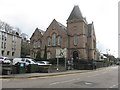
<point>10,44</point>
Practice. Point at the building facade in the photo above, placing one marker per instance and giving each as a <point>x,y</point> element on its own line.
<point>10,45</point>
<point>78,38</point>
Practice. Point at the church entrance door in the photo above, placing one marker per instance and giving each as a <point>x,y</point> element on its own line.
<point>75,59</point>
<point>75,55</point>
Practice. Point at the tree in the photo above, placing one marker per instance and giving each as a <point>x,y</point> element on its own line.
<point>24,36</point>
<point>25,49</point>
<point>2,25</point>
<point>9,29</point>
<point>18,30</point>
<point>38,56</point>
<point>111,57</point>
<point>45,53</point>
<point>5,27</point>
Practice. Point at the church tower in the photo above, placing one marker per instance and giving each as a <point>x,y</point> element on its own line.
<point>77,35</point>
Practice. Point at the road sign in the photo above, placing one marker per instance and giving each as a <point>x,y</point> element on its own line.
<point>61,53</point>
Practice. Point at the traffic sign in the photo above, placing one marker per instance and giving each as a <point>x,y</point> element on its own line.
<point>61,53</point>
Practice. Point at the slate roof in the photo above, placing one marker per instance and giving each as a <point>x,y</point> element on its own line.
<point>42,32</point>
<point>63,27</point>
<point>75,14</point>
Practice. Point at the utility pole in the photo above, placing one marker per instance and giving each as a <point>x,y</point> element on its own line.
<point>65,63</point>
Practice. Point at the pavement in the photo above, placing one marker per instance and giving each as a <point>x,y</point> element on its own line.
<point>31,75</point>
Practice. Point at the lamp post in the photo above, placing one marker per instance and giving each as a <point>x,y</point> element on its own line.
<point>57,63</point>
<point>107,51</point>
<point>65,62</point>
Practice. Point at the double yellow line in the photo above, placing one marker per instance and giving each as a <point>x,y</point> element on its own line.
<point>51,75</point>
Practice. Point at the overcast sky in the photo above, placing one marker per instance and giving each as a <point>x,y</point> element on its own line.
<point>29,14</point>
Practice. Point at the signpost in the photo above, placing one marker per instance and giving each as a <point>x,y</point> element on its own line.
<point>61,53</point>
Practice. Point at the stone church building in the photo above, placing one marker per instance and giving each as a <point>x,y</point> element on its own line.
<point>78,38</point>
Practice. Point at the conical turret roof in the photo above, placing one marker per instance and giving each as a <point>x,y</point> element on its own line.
<point>76,13</point>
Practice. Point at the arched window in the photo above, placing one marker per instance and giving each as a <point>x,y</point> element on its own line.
<point>54,39</point>
<point>38,43</point>
<point>34,44</point>
<point>59,40</point>
<point>75,40</point>
<point>48,39</point>
<point>48,55</point>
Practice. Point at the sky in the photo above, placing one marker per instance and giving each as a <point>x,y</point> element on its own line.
<point>30,14</point>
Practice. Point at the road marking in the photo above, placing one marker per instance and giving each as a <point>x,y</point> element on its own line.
<point>114,85</point>
<point>54,83</point>
<point>82,77</point>
<point>88,83</point>
<point>94,75</point>
<point>57,75</point>
<point>68,81</point>
<point>62,82</point>
<point>73,79</point>
<point>45,76</point>
<point>50,76</point>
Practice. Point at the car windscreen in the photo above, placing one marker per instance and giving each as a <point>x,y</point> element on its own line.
<point>17,59</point>
<point>23,59</point>
<point>1,58</point>
<point>27,61</point>
<point>30,61</point>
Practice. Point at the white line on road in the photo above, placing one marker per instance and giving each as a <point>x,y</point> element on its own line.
<point>55,83</point>
<point>62,82</point>
<point>82,77</point>
<point>68,81</point>
<point>94,75</point>
<point>72,80</point>
<point>114,85</point>
<point>98,74</point>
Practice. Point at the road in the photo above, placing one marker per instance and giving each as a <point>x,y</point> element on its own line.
<point>101,78</point>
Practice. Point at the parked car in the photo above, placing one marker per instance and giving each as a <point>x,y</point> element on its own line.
<point>27,61</point>
<point>10,59</point>
<point>5,60</point>
<point>118,62</point>
<point>1,59</point>
<point>43,63</point>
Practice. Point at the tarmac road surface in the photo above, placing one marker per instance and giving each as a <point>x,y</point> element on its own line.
<point>101,78</point>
